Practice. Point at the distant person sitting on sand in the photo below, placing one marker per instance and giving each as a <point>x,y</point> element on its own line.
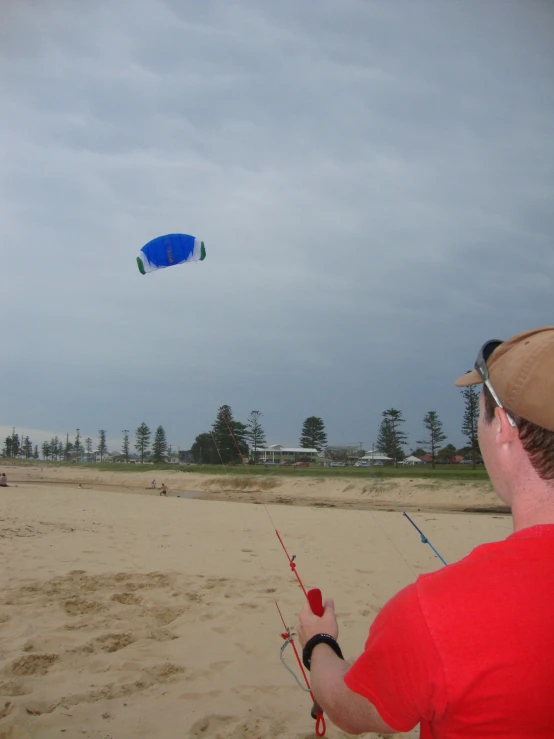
<point>163,489</point>
<point>153,484</point>
<point>3,480</point>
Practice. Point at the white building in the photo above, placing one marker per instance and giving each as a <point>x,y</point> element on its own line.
<point>280,453</point>
<point>377,458</point>
<point>412,460</point>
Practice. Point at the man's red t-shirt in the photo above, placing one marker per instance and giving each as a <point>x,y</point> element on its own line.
<point>468,651</point>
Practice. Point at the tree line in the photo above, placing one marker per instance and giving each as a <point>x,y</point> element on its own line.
<point>391,437</point>
<point>230,440</point>
<point>14,446</point>
<point>56,450</point>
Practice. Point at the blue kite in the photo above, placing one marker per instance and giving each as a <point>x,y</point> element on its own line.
<point>170,250</point>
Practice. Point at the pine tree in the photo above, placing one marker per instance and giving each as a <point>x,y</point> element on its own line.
<point>55,448</point>
<point>385,440</point>
<point>142,440</point>
<point>7,451</point>
<point>229,434</point>
<point>435,434</point>
<point>471,419</point>
<point>446,453</point>
<point>88,447</point>
<point>391,437</point>
<point>66,448</point>
<point>159,447</point>
<point>46,449</point>
<point>102,447</point>
<point>12,445</point>
<point>313,434</point>
<point>203,450</point>
<point>77,446</point>
<point>27,448</point>
<point>35,453</point>
<point>125,445</point>
<point>255,433</point>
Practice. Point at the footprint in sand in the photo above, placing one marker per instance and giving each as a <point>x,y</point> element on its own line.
<point>218,666</point>
<point>106,643</point>
<point>210,725</point>
<point>127,599</point>
<point>6,709</point>
<point>200,696</point>
<point>75,606</point>
<point>229,727</point>
<point>194,597</point>
<point>13,688</point>
<point>155,674</point>
<point>164,673</point>
<point>165,615</point>
<point>37,708</point>
<point>33,664</point>
<point>161,635</point>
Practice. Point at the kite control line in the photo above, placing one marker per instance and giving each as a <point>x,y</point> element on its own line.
<point>316,604</point>
<point>313,597</point>
<point>424,539</point>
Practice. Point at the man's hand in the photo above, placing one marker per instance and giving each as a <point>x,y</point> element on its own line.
<point>310,624</point>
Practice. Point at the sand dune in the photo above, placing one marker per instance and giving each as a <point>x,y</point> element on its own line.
<point>367,492</point>
<point>137,616</point>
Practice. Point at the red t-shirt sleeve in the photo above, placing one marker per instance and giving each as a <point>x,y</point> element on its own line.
<point>400,671</point>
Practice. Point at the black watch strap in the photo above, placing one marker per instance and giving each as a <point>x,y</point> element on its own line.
<point>313,642</point>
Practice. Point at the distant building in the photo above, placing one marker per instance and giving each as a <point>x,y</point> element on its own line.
<point>451,460</point>
<point>185,456</point>
<point>412,460</point>
<point>97,457</point>
<point>376,458</point>
<point>121,458</point>
<point>280,453</point>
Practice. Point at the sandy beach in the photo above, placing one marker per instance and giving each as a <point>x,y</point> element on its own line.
<point>124,614</point>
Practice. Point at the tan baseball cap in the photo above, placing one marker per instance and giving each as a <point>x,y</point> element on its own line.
<point>521,370</point>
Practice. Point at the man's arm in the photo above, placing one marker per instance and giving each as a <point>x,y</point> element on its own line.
<point>349,711</point>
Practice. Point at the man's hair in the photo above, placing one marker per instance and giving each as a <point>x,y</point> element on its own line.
<point>536,441</point>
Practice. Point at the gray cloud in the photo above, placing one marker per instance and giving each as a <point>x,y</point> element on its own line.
<point>373,182</point>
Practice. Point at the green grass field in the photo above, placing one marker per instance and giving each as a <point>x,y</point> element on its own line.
<point>446,473</point>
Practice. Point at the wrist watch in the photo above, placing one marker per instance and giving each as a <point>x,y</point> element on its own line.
<point>313,642</point>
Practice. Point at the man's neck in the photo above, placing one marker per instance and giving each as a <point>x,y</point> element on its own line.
<point>526,513</point>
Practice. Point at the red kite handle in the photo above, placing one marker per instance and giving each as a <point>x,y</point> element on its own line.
<point>315,600</point>
<point>316,604</point>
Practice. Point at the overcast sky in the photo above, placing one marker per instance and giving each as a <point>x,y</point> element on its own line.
<point>373,181</point>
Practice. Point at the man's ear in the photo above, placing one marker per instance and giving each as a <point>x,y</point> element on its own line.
<point>504,432</point>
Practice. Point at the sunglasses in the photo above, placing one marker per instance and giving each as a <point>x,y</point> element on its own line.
<point>481,366</point>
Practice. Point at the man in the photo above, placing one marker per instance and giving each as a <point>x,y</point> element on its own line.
<point>468,651</point>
